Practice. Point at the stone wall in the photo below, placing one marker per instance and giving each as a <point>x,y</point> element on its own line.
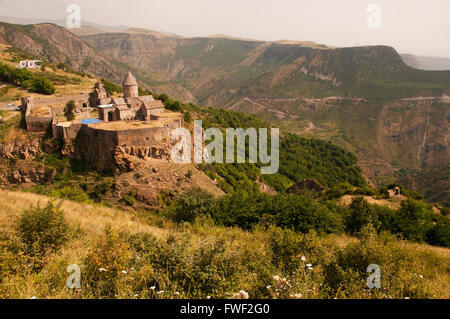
<point>38,124</point>
<point>100,147</point>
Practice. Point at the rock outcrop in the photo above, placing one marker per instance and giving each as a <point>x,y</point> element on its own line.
<point>23,149</point>
<point>38,173</point>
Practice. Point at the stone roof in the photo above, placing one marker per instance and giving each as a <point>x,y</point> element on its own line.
<point>122,107</point>
<point>147,98</point>
<point>154,105</point>
<point>119,101</point>
<point>129,80</point>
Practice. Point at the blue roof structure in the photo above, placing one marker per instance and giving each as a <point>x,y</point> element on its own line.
<point>90,121</point>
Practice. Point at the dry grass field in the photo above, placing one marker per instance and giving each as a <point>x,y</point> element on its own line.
<point>141,253</point>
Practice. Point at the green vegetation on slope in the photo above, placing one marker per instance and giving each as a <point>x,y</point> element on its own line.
<point>302,213</point>
<point>125,256</point>
<point>26,80</point>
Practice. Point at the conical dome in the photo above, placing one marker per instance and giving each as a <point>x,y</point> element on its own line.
<point>129,80</point>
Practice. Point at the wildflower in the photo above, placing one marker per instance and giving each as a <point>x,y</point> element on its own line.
<point>243,294</point>
<point>296,296</point>
<point>310,268</point>
<point>124,272</point>
<point>136,295</point>
<point>268,287</point>
<point>177,293</point>
<point>102,269</point>
<point>421,276</point>
<point>407,298</point>
<point>303,258</point>
<point>34,297</point>
<point>160,292</point>
<point>308,265</point>
<point>152,287</point>
<point>208,297</point>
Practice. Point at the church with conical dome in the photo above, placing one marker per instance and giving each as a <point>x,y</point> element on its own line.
<point>131,106</point>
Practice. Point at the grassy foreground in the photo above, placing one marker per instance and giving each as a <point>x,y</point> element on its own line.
<point>141,255</point>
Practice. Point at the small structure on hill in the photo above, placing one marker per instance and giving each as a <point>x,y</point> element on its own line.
<point>307,184</point>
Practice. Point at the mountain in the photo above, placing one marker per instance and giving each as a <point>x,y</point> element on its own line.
<point>392,116</point>
<point>56,44</point>
<point>222,71</point>
<point>426,62</point>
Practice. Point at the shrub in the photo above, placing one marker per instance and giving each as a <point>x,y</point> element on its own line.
<point>191,204</point>
<point>75,194</point>
<point>103,187</point>
<point>42,86</point>
<point>42,230</point>
<point>105,263</point>
<point>299,213</point>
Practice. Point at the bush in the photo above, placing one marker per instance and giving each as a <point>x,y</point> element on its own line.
<point>26,80</point>
<point>103,187</point>
<point>189,205</point>
<point>42,86</point>
<point>299,213</point>
<point>42,230</point>
<point>75,194</point>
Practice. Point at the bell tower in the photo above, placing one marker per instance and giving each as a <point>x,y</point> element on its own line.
<point>130,86</point>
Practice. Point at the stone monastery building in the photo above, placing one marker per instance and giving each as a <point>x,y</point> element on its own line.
<point>132,125</point>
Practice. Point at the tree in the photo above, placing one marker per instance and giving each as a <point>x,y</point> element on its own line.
<point>43,86</point>
<point>69,110</point>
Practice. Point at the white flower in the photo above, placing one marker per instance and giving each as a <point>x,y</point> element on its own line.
<point>152,287</point>
<point>407,298</point>
<point>296,296</point>
<point>268,287</point>
<point>34,297</point>
<point>276,278</point>
<point>124,272</point>
<point>136,295</point>
<point>243,294</point>
<point>421,276</point>
<point>177,293</point>
<point>102,269</point>
<point>303,258</point>
<point>308,265</point>
<point>310,268</point>
<point>208,297</point>
<point>160,292</point>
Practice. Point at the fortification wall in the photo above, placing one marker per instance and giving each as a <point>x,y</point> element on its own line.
<point>104,149</point>
<point>38,124</point>
<point>96,147</point>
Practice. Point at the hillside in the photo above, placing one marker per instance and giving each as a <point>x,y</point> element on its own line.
<point>55,44</point>
<point>140,255</point>
<point>222,71</point>
<point>292,85</point>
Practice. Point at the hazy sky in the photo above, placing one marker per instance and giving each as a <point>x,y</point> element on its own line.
<point>411,26</point>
